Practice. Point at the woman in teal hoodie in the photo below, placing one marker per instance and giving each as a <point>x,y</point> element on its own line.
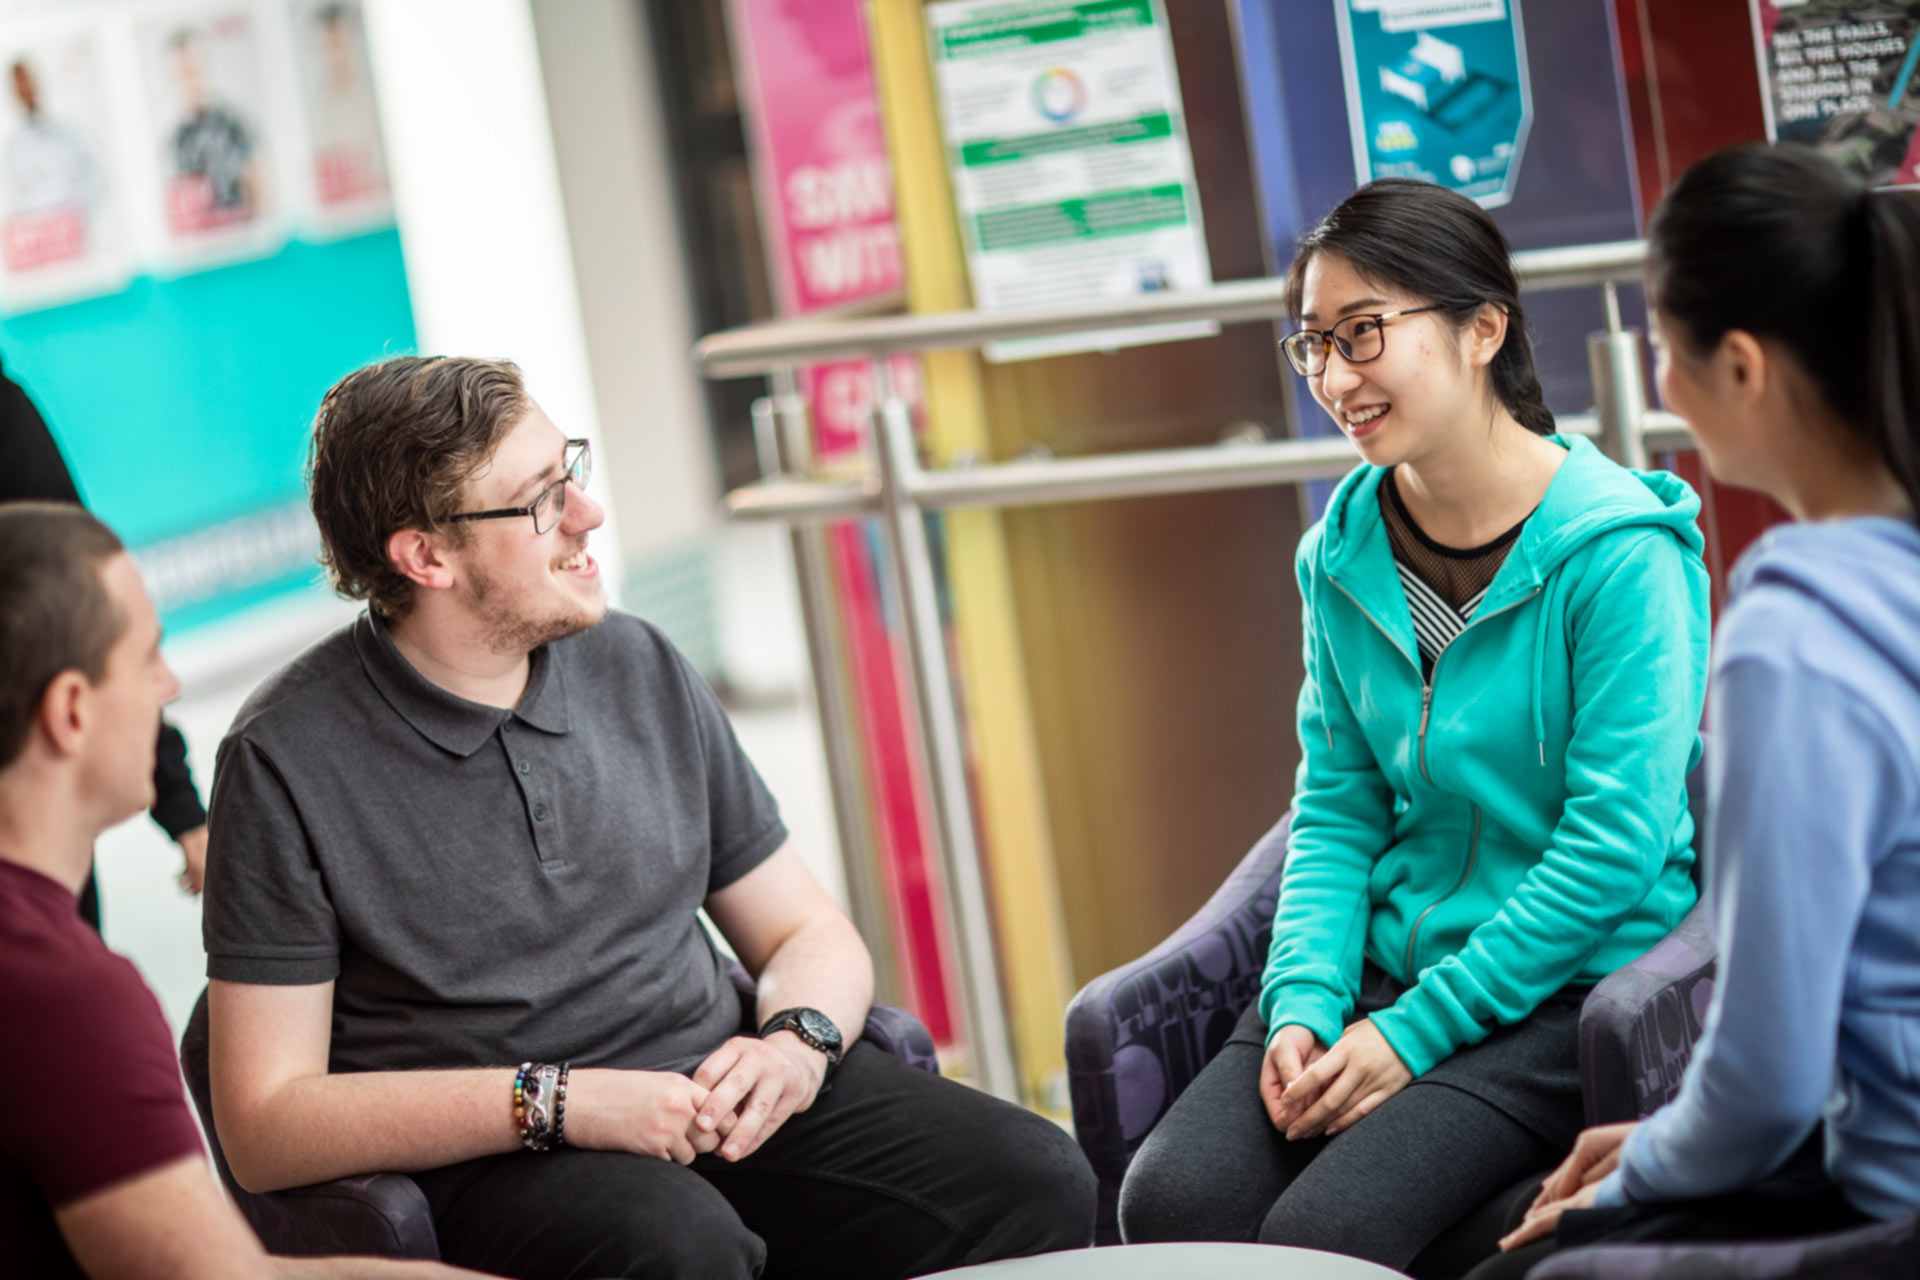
<point>1506,652</point>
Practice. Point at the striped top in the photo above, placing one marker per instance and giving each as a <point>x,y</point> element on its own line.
<point>1444,585</point>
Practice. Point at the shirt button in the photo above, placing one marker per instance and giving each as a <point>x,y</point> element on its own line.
<point>539,813</point>
<point>506,726</point>
<point>525,767</point>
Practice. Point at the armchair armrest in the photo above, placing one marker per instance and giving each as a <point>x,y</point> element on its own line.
<point>382,1215</point>
<point>902,1035</point>
<point>1138,1035</point>
<point>894,1030</point>
<point>379,1214</point>
<point>386,1214</point>
<point>1638,1026</point>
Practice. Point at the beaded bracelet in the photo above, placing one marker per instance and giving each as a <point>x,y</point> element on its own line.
<point>537,1093</point>
<point>540,1104</point>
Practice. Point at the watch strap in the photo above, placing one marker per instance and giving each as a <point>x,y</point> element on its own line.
<point>790,1020</point>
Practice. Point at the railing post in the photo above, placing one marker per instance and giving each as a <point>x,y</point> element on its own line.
<point>784,446</point>
<point>1618,364</point>
<point>937,731</point>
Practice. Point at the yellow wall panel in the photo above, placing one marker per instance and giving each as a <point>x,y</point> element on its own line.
<point>1013,815</point>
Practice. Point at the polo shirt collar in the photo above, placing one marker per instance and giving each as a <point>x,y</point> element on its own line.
<point>445,719</point>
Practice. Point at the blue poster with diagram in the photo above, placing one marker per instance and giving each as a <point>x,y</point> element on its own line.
<point>1437,90</point>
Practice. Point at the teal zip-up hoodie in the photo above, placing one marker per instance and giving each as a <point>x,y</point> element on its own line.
<point>1520,821</point>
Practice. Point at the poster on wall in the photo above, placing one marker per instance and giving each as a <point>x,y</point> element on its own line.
<point>820,158</point>
<point>208,112</point>
<point>63,231</point>
<point>1844,77</point>
<point>1437,90</point>
<point>346,158</point>
<point>1067,142</point>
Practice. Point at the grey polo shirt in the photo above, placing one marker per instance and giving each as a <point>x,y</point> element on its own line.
<point>486,886</point>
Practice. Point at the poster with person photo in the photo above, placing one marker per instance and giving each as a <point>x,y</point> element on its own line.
<point>63,232</point>
<point>208,108</point>
<point>347,159</point>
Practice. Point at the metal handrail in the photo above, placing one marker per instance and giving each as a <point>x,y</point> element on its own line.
<point>1140,474</point>
<point>765,348</point>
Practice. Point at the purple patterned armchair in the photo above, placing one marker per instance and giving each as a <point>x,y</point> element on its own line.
<point>385,1214</point>
<point>1881,1251</point>
<point>1137,1036</point>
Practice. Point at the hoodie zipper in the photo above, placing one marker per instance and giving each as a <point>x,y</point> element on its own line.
<point>1426,712</point>
<point>1427,682</point>
<point>1426,686</point>
<point>1466,874</point>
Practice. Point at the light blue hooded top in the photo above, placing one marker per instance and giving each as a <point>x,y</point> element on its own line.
<point>1812,868</point>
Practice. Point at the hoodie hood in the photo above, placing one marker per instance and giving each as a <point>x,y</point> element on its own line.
<point>1866,571</point>
<point>1589,496</point>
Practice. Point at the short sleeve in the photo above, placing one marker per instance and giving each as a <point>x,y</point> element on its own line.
<point>268,918</point>
<point>101,1031</point>
<point>743,818</point>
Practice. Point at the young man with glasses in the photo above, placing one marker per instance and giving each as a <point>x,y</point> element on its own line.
<point>473,830</point>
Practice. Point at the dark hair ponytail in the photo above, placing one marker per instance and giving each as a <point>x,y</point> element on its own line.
<point>1440,247</point>
<point>1780,242</point>
<point>1893,335</point>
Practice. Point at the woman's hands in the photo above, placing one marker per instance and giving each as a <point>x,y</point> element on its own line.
<point>1310,1090</point>
<point>1574,1184</point>
<point>1293,1050</point>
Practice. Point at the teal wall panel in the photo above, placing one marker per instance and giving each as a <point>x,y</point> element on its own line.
<point>183,406</point>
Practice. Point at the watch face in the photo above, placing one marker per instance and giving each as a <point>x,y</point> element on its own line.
<point>819,1027</point>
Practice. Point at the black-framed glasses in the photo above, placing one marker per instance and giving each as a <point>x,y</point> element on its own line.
<point>1359,338</point>
<point>551,502</point>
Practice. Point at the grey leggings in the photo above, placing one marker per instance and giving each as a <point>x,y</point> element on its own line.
<point>1214,1168</point>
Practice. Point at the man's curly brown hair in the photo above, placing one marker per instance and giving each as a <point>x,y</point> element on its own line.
<point>394,445</point>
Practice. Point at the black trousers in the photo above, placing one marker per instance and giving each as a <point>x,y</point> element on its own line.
<point>1214,1168</point>
<point>1796,1200</point>
<point>894,1172</point>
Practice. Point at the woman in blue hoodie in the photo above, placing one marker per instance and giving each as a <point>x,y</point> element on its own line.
<point>1787,300</point>
<point>1506,649</point>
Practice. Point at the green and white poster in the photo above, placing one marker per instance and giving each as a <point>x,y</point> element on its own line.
<point>1067,143</point>
<point>1437,90</point>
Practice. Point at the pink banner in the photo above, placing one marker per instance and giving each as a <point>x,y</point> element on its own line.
<point>825,192</point>
<point>842,397</point>
<point>825,189</point>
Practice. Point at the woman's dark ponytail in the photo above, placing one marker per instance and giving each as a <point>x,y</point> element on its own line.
<point>1440,247</point>
<point>1781,243</point>
<point>1893,333</point>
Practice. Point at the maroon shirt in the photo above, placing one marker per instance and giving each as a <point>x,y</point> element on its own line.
<point>96,1096</point>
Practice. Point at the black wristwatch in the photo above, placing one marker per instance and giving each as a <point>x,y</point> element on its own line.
<point>815,1029</point>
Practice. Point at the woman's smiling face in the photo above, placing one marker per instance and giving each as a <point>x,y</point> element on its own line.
<point>1418,390</point>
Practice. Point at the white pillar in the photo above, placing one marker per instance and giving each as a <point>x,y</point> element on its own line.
<point>616,173</point>
<point>477,197</point>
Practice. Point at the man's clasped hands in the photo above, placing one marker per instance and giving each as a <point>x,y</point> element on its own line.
<point>742,1094</point>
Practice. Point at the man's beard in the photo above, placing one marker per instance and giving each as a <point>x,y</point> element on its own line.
<point>507,630</point>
